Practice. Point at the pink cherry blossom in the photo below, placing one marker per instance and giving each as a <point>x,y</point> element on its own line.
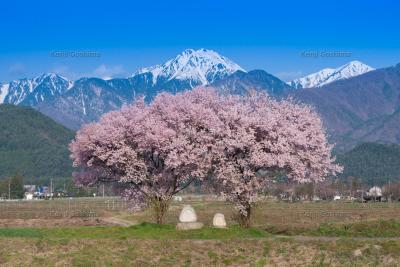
<point>260,137</point>
<point>156,150</point>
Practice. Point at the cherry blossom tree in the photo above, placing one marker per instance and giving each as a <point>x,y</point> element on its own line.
<point>154,150</point>
<point>242,142</point>
<point>262,137</point>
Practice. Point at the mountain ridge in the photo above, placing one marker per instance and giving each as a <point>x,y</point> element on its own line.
<point>88,98</point>
<point>35,90</point>
<point>202,66</point>
<point>329,75</point>
<point>364,108</point>
<point>243,83</point>
<point>361,108</point>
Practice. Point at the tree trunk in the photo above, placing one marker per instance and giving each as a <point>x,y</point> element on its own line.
<point>160,207</point>
<point>245,219</point>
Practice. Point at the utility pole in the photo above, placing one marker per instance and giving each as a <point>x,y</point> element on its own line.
<point>103,190</point>
<point>51,188</point>
<point>9,189</point>
<point>362,195</point>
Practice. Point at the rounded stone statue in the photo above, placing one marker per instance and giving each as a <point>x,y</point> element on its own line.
<point>188,214</point>
<point>188,219</point>
<point>219,220</point>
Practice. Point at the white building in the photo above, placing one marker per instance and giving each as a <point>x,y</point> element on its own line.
<point>28,196</point>
<point>375,192</point>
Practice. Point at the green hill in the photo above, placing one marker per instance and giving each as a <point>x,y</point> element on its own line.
<point>373,163</point>
<point>32,144</point>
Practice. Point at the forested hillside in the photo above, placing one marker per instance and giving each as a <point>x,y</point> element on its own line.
<point>373,163</point>
<point>32,144</point>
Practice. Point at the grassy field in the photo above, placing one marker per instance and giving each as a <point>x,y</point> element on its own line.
<point>283,234</point>
<point>151,245</point>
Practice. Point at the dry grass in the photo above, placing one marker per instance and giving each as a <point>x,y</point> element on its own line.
<point>136,246</point>
<point>130,252</point>
<point>64,222</point>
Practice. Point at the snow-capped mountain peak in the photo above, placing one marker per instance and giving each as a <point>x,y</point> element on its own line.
<point>351,69</point>
<point>328,75</point>
<point>200,66</point>
<point>312,80</point>
<point>34,90</point>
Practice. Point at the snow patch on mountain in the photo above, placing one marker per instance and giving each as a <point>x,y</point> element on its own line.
<point>199,66</point>
<point>328,75</point>
<point>3,92</point>
<point>34,90</point>
<point>312,80</point>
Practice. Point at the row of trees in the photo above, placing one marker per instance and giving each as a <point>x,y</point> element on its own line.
<point>239,143</point>
<point>12,187</point>
<point>351,188</point>
<point>325,190</point>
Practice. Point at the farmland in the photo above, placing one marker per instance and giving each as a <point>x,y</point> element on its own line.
<point>60,208</point>
<point>268,214</point>
<point>64,232</point>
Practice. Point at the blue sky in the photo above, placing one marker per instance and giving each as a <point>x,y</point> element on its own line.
<point>255,34</point>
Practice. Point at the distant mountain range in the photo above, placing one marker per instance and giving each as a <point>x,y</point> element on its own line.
<point>356,102</point>
<point>242,83</point>
<point>328,75</point>
<point>33,91</point>
<point>365,108</point>
<point>85,100</point>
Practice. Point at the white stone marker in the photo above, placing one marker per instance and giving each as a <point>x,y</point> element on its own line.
<point>188,219</point>
<point>188,214</point>
<point>219,220</point>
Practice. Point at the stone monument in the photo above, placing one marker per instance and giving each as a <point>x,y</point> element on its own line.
<point>188,219</point>
<point>219,220</point>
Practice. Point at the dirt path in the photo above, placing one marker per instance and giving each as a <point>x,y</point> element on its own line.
<point>332,238</point>
<point>118,221</point>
